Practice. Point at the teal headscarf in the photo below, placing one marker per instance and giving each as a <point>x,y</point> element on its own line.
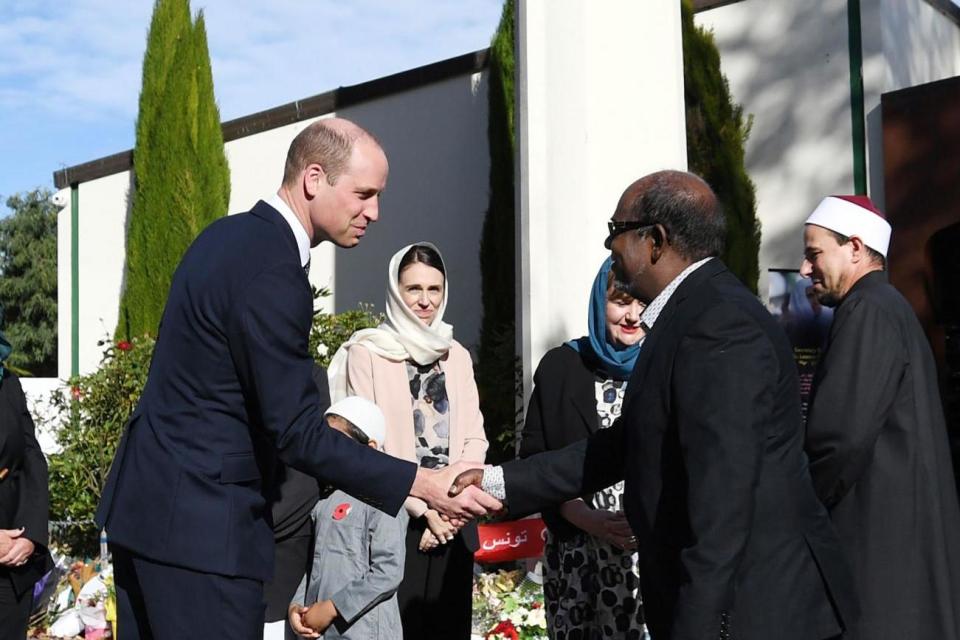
<point>616,362</point>
<point>5,347</point>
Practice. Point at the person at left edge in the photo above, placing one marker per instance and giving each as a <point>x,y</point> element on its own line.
<point>230,385</point>
<point>24,503</point>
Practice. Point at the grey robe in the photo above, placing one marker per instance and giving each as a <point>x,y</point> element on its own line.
<point>358,563</point>
<point>880,463</point>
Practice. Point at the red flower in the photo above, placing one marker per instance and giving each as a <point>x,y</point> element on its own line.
<point>505,628</point>
<point>123,345</point>
<point>76,392</point>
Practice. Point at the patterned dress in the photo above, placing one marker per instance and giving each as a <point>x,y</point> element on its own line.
<point>592,588</point>
<point>431,414</point>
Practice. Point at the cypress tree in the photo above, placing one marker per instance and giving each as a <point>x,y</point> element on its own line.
<point>716,134</point>
<point>497,362</point>
<point>181,178</point>
<point>213,171</point>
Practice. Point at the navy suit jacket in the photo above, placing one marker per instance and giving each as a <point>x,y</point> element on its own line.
<point>229,388</point>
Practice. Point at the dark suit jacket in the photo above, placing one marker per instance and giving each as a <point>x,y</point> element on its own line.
<point>24,498</point>
<point>562,410</point>
<point>292,498</point>
<point>230,385</point>
<point>732,539</point>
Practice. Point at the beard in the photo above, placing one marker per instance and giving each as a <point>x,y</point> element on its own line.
<point>827,298</point>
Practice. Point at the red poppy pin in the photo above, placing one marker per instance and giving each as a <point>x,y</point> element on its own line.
<point>341,511</point>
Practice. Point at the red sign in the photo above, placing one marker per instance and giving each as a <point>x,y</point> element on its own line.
<point>512,540</point>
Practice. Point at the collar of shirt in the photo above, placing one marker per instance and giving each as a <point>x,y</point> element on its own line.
<point>303,240</point>
<point>652,312</point>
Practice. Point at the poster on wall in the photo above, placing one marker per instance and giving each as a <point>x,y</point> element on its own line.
<point>806,322</point>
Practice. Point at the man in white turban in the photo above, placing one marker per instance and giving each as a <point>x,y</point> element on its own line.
<point>876,435</point>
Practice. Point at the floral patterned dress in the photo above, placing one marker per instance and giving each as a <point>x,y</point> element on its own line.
<point>592,588</point>
<point>431,414</point>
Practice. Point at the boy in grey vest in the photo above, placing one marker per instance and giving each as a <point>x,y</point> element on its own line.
<point>358,552</point>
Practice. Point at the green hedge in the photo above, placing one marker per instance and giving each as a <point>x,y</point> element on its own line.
<point>716,135</point>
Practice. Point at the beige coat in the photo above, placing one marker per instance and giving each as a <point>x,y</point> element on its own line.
<point>385,383</point>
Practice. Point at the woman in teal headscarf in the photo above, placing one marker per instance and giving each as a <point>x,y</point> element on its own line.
<point>591,582</point>
<point>24,504</point>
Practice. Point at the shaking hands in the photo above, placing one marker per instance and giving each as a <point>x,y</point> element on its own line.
<point>454,492</point>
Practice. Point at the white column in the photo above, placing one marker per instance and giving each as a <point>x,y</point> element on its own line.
<point>600,104</point>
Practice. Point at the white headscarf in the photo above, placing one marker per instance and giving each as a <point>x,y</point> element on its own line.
<point>402,337</point>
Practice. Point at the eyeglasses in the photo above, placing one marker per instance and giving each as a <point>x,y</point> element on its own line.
<point>616,227</point>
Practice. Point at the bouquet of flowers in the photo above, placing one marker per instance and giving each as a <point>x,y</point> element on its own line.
<point>509,606</point>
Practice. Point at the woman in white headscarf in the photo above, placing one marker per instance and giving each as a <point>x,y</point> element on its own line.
<point>422,380</point>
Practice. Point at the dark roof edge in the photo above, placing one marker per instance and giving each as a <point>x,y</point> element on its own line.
<point>311,107</point>
<point>947,8</point>
<point>704,5</point>
<point>894,98</point>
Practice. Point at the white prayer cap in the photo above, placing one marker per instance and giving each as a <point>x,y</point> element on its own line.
<point>854,216</point>
<point>364,415</point>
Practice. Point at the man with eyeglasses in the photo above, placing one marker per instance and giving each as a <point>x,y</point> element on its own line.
<point>733,542</point>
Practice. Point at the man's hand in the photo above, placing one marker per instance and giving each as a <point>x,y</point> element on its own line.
<point>467,478</point>
<point>295,616</point>
<point>320,615</point>
<point>433,487</point>
<point>18,549</point>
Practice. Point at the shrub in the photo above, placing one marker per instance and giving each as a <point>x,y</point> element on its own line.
<point>92,414</point>
<point>330,330</point>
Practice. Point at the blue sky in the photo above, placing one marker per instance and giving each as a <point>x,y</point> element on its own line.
<point>70,71</point>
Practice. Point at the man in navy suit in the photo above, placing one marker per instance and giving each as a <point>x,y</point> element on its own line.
<point>229,389</point>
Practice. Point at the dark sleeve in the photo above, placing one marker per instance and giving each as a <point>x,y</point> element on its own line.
<point>723,384</point>
<point>855,387</point>
<point>269,348</point>
<point>550,478</point>
<point>33,501</point>
<point>534,439</point>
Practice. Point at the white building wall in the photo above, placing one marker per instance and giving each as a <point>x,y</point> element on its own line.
<point>64,295</point>
<point>435,137</point>
<point>920,44</point>
<point>906,43</point>
<point>102,225</point>
<point>787,63</point>
<point>600,104</point>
